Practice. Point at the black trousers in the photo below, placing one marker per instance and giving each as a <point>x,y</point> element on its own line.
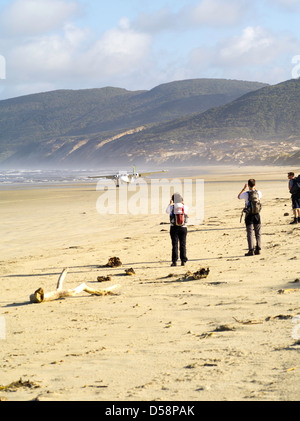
<point>178,235</point>
<point>296,201</point>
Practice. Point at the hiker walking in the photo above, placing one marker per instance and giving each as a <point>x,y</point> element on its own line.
<point>252,219</point>
<point>294,188</point>
<point>178,229</point>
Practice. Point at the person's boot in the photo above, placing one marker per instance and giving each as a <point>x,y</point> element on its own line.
<point>257,251</point>
<point>250,253</point>
<point>295,221</point>
<point>298,219</point>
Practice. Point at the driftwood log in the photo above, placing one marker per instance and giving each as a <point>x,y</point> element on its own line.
<point>40,296</point>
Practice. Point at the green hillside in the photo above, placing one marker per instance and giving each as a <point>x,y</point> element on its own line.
<point>32,120</point>
<point>271,113</point>
<point>261,127</point>
<point>192,121</point>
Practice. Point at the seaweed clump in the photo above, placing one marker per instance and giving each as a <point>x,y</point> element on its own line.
<point>199,274</point>
<point>114,262</point>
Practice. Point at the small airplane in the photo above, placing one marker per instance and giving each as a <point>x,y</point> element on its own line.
<point>126,177</point>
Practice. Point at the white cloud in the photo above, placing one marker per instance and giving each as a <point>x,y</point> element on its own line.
<point>76,36</point>
<point>45,48</point>
<point>256,54</point>
<point>288,5</point>
<point>45,57</point>
<point>255,45</point>
<point>208,12</point>
<point>75,58</point>
<point>163,19</point>
<point>218,12</point>
<point>32,17</point>
<point>119,50</point>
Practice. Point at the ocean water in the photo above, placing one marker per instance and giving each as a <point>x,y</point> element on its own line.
<point>24,178</point>
<point>31,178</point>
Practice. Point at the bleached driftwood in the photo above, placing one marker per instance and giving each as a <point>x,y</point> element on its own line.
<point>39,296</point>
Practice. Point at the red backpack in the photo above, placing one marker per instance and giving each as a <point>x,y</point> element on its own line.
<point>177,214</point>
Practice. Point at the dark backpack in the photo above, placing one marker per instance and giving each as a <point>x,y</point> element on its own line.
<point>254,206</point>
<point>296,186</point>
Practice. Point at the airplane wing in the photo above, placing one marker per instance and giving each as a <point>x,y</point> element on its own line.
<point>145,174</point>
<point>128,175</point>
<point>112,177</point>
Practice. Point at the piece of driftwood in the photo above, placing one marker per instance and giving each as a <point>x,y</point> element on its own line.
<point>248,322</point>
<point>283,291</point>
<point>39,296</point>
<point>280,317</point>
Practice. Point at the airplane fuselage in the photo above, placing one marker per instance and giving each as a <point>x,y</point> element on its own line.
<point>126,177</point>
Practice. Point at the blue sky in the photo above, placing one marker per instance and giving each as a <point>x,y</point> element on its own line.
<point>139,44</point>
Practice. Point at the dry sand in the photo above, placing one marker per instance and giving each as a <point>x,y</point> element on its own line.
<point>226,337</point>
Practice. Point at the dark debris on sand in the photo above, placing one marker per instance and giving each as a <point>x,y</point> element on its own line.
<point>199,274</point>
<point>114,262</point>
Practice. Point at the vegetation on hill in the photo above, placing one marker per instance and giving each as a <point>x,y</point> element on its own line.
<point>197,120</point>
<point>271,113</point>
<point>29,121</point>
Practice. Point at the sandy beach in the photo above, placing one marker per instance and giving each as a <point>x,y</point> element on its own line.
<point>162,336</point>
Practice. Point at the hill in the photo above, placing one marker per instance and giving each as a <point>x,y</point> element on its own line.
<point>52,125</point>
<point>260,127</point>
<point>271,113</point>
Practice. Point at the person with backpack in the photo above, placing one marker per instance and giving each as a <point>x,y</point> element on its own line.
<point>178,227</point>
<point>252,210</point>
<point>294,188</point>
